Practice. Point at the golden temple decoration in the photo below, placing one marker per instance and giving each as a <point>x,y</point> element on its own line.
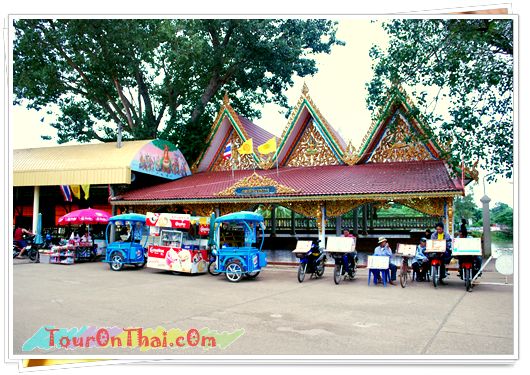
<point>227,208</point>
<point>255,180</point>
<point>400,144</point>
<point>350,157</point>
<point>338,208</point>
<point>237,161</point>
<point>429,206</point>
<point>267,163</point>
<point>226,100</point>
<point>450,213</point>
<point>201,209</point>
<point>311,150</point>
<point>305,90</point>
<point>308,209</point>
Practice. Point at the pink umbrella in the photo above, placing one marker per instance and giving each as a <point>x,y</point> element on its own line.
<point>85,216</point>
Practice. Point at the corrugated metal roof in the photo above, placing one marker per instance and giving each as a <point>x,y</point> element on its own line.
<point>101,163</point>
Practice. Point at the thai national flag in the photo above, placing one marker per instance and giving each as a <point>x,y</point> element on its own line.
<point>67,193</point>
<point>228,151</point>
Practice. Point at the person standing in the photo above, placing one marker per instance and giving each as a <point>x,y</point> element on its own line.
<point>384,250</point>
<point>440,234</point>
<point>463,229</point>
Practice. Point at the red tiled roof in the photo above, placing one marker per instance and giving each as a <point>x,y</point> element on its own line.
<point>257,133</point>
<point>371,178</point>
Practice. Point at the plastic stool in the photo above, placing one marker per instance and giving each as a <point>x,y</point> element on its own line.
<point>375,274</point>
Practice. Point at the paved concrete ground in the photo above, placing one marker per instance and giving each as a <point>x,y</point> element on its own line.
<point>279,315</point>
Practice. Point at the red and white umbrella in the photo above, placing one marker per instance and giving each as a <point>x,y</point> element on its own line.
<point>85,216</point>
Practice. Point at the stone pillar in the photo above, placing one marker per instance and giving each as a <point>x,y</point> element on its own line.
<point>273,219</point>
<point>293,226</point>
<point>486,227</point>
<point>355,229</point>
<point>338,225</point>
<point>36,199</point>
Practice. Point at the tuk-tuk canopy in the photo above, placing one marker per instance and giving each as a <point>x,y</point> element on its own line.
<point>240,216</point>
<point>129,217</point>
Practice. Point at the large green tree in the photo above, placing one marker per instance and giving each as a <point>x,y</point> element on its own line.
<point>460,73</point>
<point>159,78</point>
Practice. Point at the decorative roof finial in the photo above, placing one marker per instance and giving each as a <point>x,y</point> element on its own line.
<point>305,89</point>
<point>226,101</point>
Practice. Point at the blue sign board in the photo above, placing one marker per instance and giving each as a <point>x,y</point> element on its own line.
<point>255,190</point>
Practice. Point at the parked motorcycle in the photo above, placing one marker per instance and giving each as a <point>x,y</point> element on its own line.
<point>345,264</point>
<point>436,265</point>
<point>312,262</point>
<point>32,250</point>
<point>469,266</point>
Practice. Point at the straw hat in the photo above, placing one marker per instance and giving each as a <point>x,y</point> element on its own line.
<point>381,239</point>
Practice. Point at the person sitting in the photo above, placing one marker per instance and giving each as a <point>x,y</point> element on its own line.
<point>440,234</point>
<point>420,262</point>
<point>384,250</point>
<point>18,239</point>
<point>86,237</point>
<point>74,237</point>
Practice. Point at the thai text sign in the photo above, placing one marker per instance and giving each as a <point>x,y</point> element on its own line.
<point>378,262</point>
<point>435,246</point>
<point>467,246</point>
<point>255,190</point>
<point>168,220</point>
<point>341,244</point>
<point>406,250</point>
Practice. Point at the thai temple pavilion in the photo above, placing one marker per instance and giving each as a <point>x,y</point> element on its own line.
<point>313,172</point>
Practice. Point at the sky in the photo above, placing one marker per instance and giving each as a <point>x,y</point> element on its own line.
<point>338,90</point>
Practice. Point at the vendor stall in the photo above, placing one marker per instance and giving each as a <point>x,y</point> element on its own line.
<point>173,246</point>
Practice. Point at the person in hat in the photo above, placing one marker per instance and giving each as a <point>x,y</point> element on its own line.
<point>384,250</point>
<point>420,262</point>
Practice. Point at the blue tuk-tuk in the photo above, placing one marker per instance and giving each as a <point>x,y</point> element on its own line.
<point>127,248</point>
<point>236,262</point>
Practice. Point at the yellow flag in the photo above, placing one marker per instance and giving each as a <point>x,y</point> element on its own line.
<point>76,191</point>
<point>86,190</point>
<point>268,147</point>
<point>246,148</point>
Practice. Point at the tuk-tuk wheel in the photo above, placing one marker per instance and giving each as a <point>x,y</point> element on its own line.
<point>252,275</point>
<point>116,262</point>
<point>234,272</point>
<point>140,265</point>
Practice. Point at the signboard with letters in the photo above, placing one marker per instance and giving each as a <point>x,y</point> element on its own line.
<point>341,244</point>
<point>467,246</point>
<point>255,190</point>
<point>378,262</point>
<point>406,250</point>
<point>435,246</point>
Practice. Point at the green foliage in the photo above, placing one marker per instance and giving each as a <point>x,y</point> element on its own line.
<point>466,208</point>
<point>461,77</point>
<point>502,214</point>
<point>159,78</point>
<point>398,210</point>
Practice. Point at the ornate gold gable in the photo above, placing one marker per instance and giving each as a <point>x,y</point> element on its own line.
<point>400,144</point>
<point>255,180</point>
<point>237,162</point>
<point>311,150</point>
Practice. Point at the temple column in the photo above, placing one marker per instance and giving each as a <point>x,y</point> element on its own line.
<point>322,225</point>
<point>365,219</point>
<point>355,228</point>
<point>486,228</point>
<point>293,226</point>
<point>338,225</point>
<point>371,211</point>
<point>273,219</point>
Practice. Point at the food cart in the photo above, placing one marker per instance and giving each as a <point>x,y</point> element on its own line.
<point>75,249</point>
<point>173,245</point>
